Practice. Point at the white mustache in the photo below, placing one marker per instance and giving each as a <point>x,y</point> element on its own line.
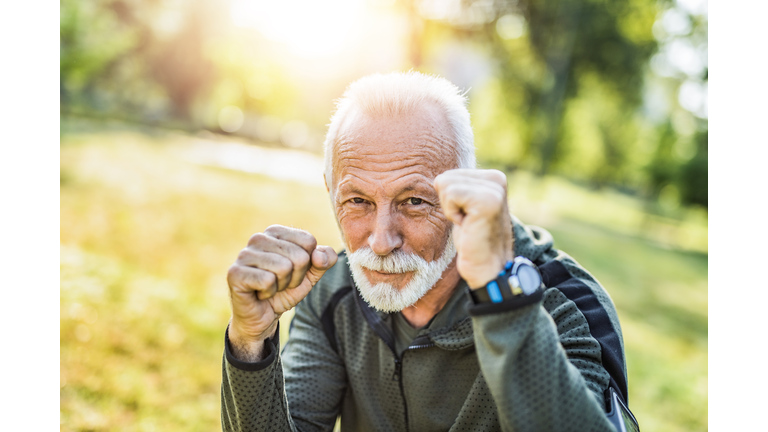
<point>396,262</point>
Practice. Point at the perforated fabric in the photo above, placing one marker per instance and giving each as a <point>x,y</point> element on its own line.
<point>537,368</point>
<point>403,332</point>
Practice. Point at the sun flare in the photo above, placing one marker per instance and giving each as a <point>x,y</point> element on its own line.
<point>309,28</point>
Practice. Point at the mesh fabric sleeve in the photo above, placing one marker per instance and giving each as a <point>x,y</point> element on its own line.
<point>304,393</point>
<point>542,365</point>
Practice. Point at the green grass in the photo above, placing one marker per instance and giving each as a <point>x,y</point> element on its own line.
<point>146,239</point>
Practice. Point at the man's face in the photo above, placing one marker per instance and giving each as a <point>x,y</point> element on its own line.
<point>383,193</point>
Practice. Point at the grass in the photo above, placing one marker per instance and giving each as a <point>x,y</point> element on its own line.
<point>146,238</point>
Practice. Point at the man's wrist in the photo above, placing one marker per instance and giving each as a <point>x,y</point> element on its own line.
<point>477,284</point>
<point>247,349</point>
<point>247,352</point>
<point>519,279</point>
<point>485,276</point>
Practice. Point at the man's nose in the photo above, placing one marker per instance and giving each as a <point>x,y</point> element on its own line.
<point>386,234</point>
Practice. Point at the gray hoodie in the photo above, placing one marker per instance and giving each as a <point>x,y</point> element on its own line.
<point>513,366</point>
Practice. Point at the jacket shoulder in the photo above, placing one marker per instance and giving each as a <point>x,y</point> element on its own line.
<point>561,272</point>
<point>532,242</point>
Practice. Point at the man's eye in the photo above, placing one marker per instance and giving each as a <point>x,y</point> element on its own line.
<point>358,200</point>
<point>415,201</point>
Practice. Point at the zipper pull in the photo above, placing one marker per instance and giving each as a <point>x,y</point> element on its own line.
<point>396,374</point>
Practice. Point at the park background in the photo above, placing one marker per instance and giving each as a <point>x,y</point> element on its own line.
<point>186,126</point>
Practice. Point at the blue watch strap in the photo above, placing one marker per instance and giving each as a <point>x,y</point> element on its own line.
<point>500,289</point>
<point>494,293</point>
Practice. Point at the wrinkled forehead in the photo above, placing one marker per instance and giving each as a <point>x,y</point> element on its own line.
<point>419,141</point>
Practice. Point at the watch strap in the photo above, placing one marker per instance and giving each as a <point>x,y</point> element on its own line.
<point>499,289</point>
<point>479,309</point>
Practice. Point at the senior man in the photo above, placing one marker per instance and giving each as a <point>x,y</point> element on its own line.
<point>444,312</point>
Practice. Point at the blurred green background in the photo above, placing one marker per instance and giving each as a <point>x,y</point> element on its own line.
<point>188,126</point>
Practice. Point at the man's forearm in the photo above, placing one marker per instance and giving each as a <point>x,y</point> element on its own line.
<point>252,393</point>
<point>550,393</point>
<point>250,353</point>
<point>255,394</point>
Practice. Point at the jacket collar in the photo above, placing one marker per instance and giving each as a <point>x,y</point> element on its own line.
<point>451,328</point>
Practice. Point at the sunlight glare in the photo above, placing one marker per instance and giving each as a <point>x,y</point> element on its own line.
<point>309,28</point>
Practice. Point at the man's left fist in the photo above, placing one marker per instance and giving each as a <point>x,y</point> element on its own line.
<point>476,202</point>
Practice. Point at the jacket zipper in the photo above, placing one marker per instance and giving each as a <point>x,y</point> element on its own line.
<point>399,375</point>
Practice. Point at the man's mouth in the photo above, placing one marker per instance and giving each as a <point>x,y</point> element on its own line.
<point>382,276</point>
<point>381,272</point>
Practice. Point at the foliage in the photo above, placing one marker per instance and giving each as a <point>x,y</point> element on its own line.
<point>116,56</point>
<point>146,238</point>
<point>572,50</point>
<point>568,90</point>
<point>694,175</point>
<point>92,44</point>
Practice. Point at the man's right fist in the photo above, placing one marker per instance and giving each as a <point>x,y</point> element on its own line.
<point>271,276</point>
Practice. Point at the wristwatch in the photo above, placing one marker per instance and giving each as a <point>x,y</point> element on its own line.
<point>520,278</point>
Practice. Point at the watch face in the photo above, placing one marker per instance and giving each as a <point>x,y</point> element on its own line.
<point>529,279</point>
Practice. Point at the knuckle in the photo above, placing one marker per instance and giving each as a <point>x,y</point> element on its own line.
<point>303,234</point>
<point>489,200</point>
<point>243,254</point>
<point>257,239</point>
<point>274,229</point>
<point>268,279</point>
<point>311,242</point>
<point>301,259</point>
<point>305,239</point>
<point>494,199</point>
<point>232,273</point>
<point>497,177</point>
<point>235,276</point>
<point>283,267</point>
<point>439,179</point>
<point>498,195</point>
<point>450,189</point>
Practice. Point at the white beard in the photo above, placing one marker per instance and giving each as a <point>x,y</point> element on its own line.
<point>384,296</point>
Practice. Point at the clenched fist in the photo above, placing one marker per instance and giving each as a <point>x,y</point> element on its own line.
<point>271,276</point>
<point>476,202</point>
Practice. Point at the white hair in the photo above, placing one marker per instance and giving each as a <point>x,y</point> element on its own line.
<point>386,297</point>
<point>400,93</point>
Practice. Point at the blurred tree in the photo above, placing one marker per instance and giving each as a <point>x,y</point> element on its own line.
<point>694,174</point>
<point>583,47</point>
<point>565,78</point>
<point>115,57</point>
<point>552,55</point>
<point>662,169</point>
<point>179,65</point>
<point>92,41</point>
